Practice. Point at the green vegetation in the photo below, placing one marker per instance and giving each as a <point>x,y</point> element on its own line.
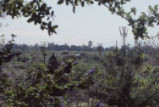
<point>33,76</point>
<point>122,77</point>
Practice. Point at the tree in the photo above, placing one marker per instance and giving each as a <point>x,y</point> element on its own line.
<point>90,43</point>
<point>100,48</point>
<point>6,53</point>
<point>37,11</point>
<point>123,33</point>
<point>43,51</point>
<point>52,64</point>
<point>2,41</point>
<point>127,82</point>
<point>45,87</point>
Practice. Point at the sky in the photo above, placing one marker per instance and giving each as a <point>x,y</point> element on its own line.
<point>93,23</point>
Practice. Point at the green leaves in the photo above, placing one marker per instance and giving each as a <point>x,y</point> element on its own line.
<point>51,29</point>
<point>30,20</point>
<point>35,10</point>
<point>60,1</point>
<point>142,22</point>
<point>44,86</point>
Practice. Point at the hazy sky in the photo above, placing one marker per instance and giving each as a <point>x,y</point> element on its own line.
<point>89,23</point>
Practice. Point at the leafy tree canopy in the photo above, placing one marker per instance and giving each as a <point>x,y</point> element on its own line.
<point>38,12</point>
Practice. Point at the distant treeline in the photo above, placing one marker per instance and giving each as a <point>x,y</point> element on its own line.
<point>56,47</point>
<point>65,47</point>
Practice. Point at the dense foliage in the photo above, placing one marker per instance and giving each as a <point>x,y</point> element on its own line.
<point>123,79</point>
<point>127,81</point>
<point>41,86</point>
